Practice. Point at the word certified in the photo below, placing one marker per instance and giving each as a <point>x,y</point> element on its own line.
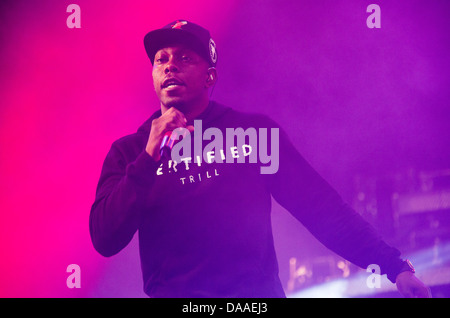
<point>256,308</point>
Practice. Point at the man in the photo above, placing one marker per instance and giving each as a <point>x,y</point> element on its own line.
<point>204,221</point>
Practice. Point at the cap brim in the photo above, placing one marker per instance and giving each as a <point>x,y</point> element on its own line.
<point>158,39</point>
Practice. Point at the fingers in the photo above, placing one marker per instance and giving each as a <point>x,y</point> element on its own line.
<point>174,117</point>
<point>167,122</point>
<point>411,287</point>
<point>190,128</point>
<point>422,292</point>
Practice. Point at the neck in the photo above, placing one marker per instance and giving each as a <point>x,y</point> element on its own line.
<point>190,110</point>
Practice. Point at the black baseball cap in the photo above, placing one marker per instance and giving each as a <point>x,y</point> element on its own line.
<point>184,32</point>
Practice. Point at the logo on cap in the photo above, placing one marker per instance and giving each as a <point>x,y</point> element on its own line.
<point>212,51</point>
<point>179,24</point>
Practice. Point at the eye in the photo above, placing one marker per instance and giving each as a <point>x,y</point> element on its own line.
<point>160,59</point>
<point>186,58</point>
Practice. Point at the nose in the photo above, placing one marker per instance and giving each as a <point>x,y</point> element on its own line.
<point>170,67</point>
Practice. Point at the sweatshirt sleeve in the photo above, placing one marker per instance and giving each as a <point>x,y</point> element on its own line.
<point>311,200</point>
<point>120,196</point>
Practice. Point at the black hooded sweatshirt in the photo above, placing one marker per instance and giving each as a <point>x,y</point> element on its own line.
<point>205,228</point>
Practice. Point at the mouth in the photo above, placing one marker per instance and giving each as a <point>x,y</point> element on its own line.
<point>171,83</point>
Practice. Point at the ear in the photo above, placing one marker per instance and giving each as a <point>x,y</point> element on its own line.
<point>211,77</point>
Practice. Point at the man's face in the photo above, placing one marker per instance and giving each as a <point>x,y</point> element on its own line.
<point>180,77</point>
